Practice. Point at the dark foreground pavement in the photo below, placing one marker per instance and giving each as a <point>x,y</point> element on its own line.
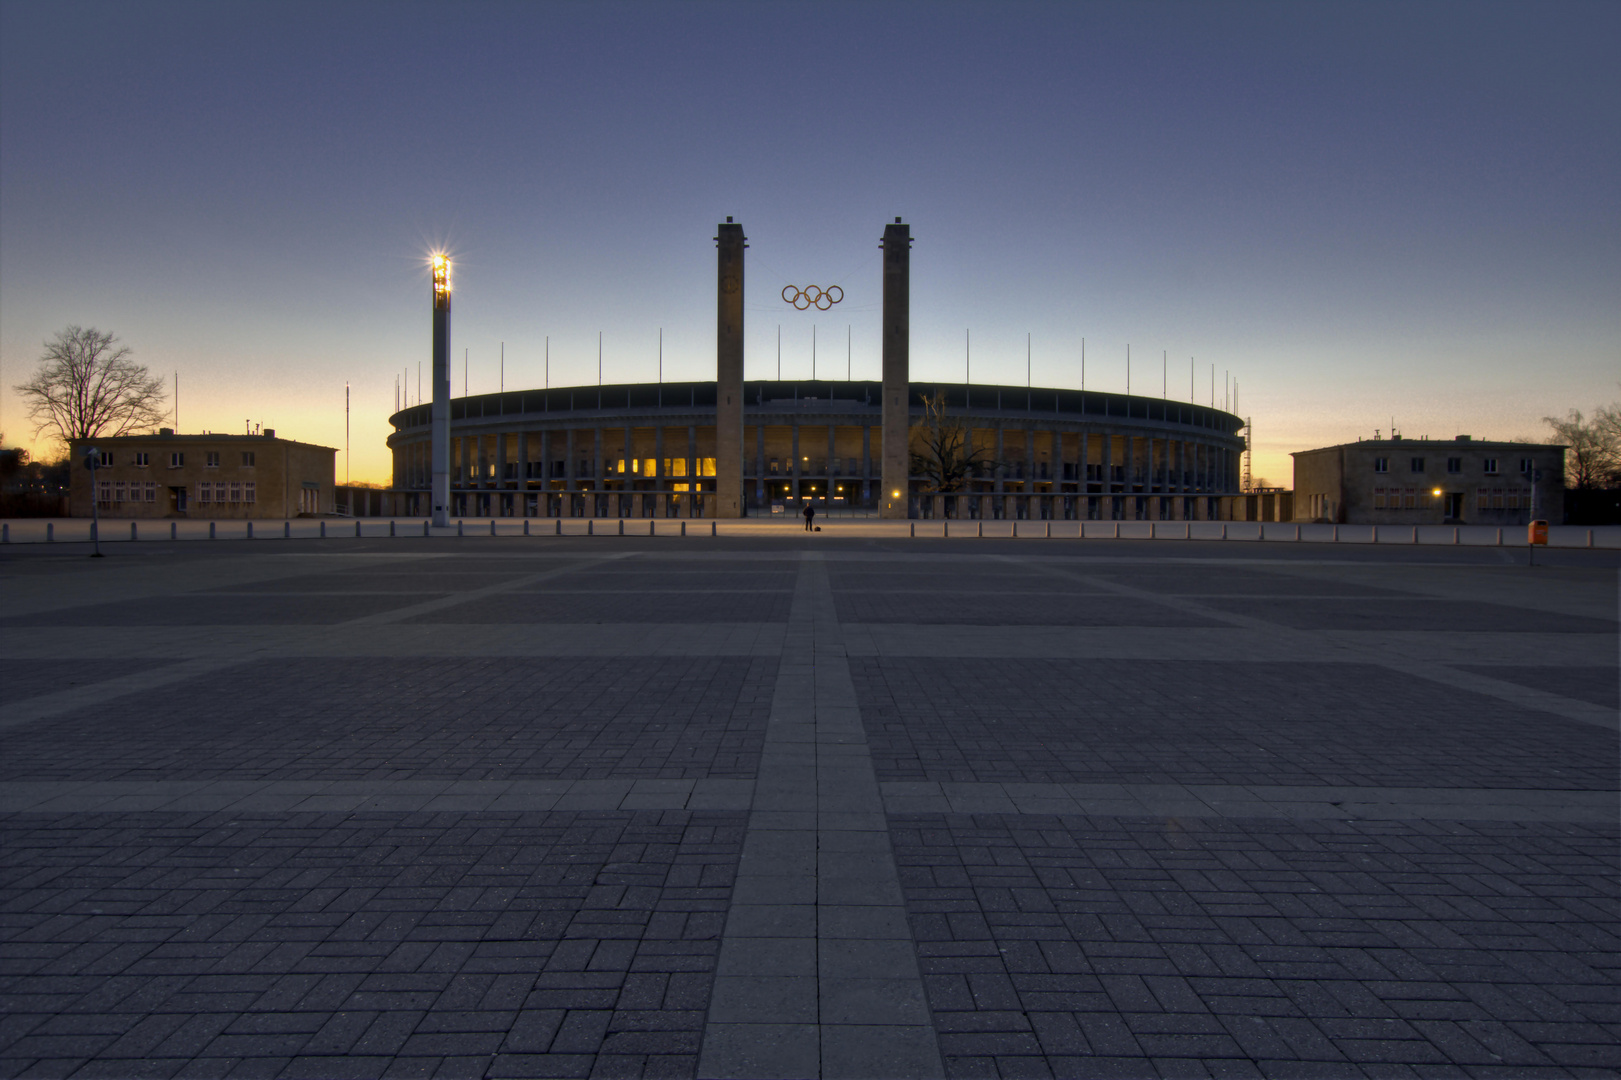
<point>807,807</point>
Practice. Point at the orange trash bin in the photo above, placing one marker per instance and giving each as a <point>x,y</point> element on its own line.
<point>1537,533</point>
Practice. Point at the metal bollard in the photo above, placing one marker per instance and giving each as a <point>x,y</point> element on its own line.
<point>357,528</point>
<point>1499,537</point>
<point>133,535</point>
<point>714,531</point>
<point>526,526</point>
<point>1336,534</point>
<point>981,528</point>
<point>391,529</point>
<point>174,531</point>
<point>1224,530</point>
<point>50,532</point>
<point>492,526</point>
<point>425,531</point>
<point>912,526</point>
<point>250,530</point>
<point>1589,537</point>
<point>1151,525</point>
<point>1117,531</point>
<point>1049,530</point>
<point>590,527</point>
<point>683,528</point>
<point>1415,534</point>
<point>287,530</point>
<point>1189,531</point>
<point>5,532</point>
<point>211,529</point>
<point>1297,534</point>
<point>621,526</point>
<point>559,526</point>
<point>1454,536</point>
<point>323,530</point>
<point>650,524</point>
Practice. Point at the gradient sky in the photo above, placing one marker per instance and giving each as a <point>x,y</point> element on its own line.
<point>1361,211</point>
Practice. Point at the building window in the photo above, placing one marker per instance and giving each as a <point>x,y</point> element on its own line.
<point>212,459</point>
<point>151,491</point>
<point>119,491</point>
<point>1454,464</point>
<point>104,492</point>
<point>1381,465</point>
<point>1490,466</point>
<point>1378,498</point>
<point>247,459</point>
<point>205,493</point>
<point>1526,466</point>
<point>247,492</point>
<point>1483,499</point>
<point>1410,499</point>
<point>142,460</point>
<point>1418,464</point>
<point>236,492</point>
<point>177,460</point>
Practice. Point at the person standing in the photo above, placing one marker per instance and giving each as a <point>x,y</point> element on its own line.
<point>810,512</point>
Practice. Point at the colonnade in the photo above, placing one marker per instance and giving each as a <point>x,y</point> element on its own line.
<point>1031,470</point>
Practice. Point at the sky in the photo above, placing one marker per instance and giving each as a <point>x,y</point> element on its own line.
<point>1363,214</point>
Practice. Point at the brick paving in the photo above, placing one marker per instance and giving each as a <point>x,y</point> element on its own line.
<point>617,807</point>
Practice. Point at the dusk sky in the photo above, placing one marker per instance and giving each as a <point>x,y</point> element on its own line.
<point>1361,211</point>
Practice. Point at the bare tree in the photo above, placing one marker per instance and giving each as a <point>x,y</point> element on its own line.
<point>1593,447</point>
<point>943,450</point>
<point>88,386</point>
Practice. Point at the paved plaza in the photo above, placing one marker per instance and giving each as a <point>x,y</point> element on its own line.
<point>808,806</point>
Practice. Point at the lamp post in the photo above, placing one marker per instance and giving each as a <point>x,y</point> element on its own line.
<point>92,462</point>
<point>440,448</point>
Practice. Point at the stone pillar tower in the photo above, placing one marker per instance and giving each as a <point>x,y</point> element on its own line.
<point>730,243</point>
<point>894,500</point>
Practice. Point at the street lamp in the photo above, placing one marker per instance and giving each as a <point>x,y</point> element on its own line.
<point>440,432</point>
<point>92,461</point>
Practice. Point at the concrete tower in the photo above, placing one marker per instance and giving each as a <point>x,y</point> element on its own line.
<point>440,449</point>
<point>729,244</point>
<point>894,500</point>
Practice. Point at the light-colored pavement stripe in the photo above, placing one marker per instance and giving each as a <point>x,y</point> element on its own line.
<point>1252,801</point>
<point>818,973</point>
<point>1369,650</point>
<point>366,796</point>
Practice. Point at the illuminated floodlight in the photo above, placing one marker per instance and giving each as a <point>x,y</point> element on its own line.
<point>441,273</point>
<point>1436,493</point>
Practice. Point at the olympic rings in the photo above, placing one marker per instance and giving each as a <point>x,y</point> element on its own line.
<point>810,295</point>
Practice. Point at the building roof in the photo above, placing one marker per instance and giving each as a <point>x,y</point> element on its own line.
<point>1449,444</point>
<point>166,437</point>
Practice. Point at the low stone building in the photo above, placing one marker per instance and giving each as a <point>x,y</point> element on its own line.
<point>204,476</point>
<point>1430,482</point>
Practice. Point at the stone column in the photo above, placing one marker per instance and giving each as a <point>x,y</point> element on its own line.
<point>794,494</point>
<point>692,471</point>
<point>660,501</point>
<point>571,482</point>
<point>866,462</point>
<point>728,496</point>
<point>894,500</point>
<point>759,464</point>
<point>1106,510</point>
